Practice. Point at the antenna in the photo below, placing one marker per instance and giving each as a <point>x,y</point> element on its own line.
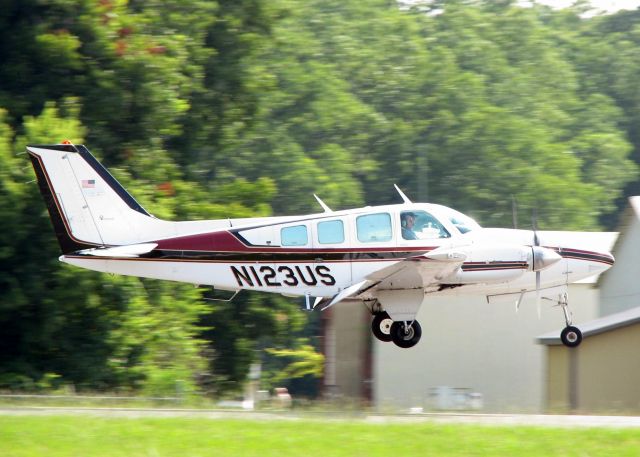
<point>404,197</point>
<point>323,204</point>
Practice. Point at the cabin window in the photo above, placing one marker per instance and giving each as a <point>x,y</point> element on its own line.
<point>463,223</point>
<point>330,232</point>
<point>374,228</point>
<point>420,225</point>
<point>294,236</point>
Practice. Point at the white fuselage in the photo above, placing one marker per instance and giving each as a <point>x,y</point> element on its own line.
<point>255,255</point>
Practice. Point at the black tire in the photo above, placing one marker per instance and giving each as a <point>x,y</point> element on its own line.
<point>405,339</point>
<point>571,336</point>
<point>381,326</point>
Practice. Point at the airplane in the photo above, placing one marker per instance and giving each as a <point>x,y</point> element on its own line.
<point>391,258</point>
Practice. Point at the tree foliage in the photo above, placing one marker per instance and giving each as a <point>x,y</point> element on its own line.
<point>246,108</point>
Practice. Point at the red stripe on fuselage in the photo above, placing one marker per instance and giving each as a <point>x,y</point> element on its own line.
<point>225,241</point>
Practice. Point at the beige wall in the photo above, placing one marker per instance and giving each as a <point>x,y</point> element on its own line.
<point>468,343</point>
<point>557,379</point>
<point>620,288</point>
<point>347,351</point>
<point>606,375</point>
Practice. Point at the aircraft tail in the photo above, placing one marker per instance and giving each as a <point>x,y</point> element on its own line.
<point>88,207</point>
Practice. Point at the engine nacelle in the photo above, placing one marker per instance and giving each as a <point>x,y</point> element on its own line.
<point>499,263</point>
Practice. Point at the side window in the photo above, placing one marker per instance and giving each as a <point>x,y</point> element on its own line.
<point>294,236</point>
<point>374,228</point>
<point>331,232</point>
<point>420,225</point>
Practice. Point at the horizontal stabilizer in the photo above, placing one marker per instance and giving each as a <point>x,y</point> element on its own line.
<point>131,250</point>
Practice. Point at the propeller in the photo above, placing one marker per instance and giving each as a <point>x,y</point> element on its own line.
<point>536,244</point>
<point>541,258</point>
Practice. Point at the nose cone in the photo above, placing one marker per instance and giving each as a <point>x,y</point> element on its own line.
<point>543,258</point>
<point>601,262</point>
<point>609,259</point>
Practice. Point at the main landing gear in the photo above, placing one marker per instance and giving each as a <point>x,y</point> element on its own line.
<point>570,336</point>
<point>381,326</point>
<point>404,334</point>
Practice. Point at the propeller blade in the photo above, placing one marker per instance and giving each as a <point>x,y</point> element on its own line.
<point>534,225</point>
<point>536,255</point>
<point>538,280</point>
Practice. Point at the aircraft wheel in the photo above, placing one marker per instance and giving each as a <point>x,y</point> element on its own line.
<point>381,326</point>
<point>405,336</point>
<point>571,336</point>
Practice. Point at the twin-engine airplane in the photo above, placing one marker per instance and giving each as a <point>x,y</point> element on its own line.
<point>391,258</point>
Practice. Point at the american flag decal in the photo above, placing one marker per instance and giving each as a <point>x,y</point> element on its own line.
<point>88,183</point>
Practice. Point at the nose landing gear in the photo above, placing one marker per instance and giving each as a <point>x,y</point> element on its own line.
<point>570,336</point>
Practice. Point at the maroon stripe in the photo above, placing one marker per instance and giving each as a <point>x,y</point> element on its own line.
<point>225,241</point>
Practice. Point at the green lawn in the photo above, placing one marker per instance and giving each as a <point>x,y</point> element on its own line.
<point>53,436</point>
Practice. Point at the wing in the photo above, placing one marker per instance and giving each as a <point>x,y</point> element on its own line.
<point>413,273</point>
<point>417,272</point>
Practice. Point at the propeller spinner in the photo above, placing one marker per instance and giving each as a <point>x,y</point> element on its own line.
<point>541,258</point>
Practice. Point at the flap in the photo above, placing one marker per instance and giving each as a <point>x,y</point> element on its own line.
<point>419,271</point>
<point>350,291</point>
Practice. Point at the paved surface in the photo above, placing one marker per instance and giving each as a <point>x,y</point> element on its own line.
<point>538,420</point>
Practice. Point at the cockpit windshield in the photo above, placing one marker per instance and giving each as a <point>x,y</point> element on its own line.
<point>462,222</point>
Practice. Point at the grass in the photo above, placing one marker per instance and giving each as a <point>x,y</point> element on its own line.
<point>87,436</point>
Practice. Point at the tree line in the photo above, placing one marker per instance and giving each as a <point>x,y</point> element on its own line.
<point>238,108</point>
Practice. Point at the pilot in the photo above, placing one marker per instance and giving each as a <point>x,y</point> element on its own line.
<point>407,220</point>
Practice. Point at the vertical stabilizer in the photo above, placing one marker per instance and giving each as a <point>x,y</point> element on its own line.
<point>87,205</point>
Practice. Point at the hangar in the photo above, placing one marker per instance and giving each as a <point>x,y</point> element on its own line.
<point>603,374</point>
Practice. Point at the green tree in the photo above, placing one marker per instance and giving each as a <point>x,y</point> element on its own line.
<point>607,50</point>
<point>245,108</point>
<point>301,361</point>
<point>101,333</point>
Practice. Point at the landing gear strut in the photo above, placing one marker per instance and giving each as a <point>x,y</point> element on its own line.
<point>571,336</point>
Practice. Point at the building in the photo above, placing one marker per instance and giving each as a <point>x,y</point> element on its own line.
<point>347,351</point>
<point>471,346</point>
<point>620,287</point>
<point>485,353</point>
<point>602,375</point>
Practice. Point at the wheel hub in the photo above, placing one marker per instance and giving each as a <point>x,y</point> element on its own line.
<point>408,332</point>
<point>385,326</point>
